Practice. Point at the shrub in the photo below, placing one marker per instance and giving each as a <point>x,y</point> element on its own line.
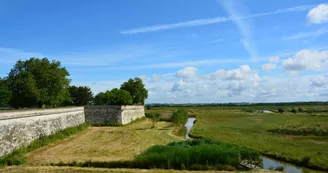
<point>180,117</point>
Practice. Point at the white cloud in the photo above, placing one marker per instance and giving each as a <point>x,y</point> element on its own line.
<point>320,81</point>
<point>275,59</point>
<point>318,14</point>
<point>306,60</point>
<point>269,67</point>
<point>143,77</point>
<point>155,78</point>
<point>208,21</point>
<point>187,73</point>
<point>316,33</point>
<point>244,72</point>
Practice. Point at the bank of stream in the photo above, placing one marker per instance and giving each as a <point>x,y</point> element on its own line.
<point>268,163</point>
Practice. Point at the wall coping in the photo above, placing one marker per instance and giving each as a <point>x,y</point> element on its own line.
<point>12,114</point>
<point>122,107</point>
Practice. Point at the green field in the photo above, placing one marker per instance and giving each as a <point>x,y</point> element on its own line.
<point>254,130</point>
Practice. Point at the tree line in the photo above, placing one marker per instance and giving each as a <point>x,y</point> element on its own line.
<point>42,83</point>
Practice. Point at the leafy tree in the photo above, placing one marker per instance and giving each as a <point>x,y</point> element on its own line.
<point>5,93</point>
<point>180,117</point>
<point>114,97</point>
<point>80,95</point>
<point>119,97</point>
<point>137,90</point>
<point>37,82</point>
<point>100,99</point>
<point>154,117</point>
<point>281,110</point>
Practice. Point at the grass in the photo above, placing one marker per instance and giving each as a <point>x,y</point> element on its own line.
<point>251,130</point>
<point>17,157</point>
<point>54,169</point>
<point>304,130</point>
<point>106,144</point>
<point>195,155</point>
<point>184,155</point>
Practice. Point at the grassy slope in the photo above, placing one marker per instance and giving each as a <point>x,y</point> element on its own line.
<point>105,143</point>
<point>250,130</point>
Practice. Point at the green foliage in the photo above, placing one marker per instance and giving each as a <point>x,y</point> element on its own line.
<point>81,95</point>
<point>113,97</point>
<point>36,82</point>
<point>119,97</point>
<point>100,99</point>
<point>180,117</point>
<point>17,157</point>
<point>195,154</point>
<point>154,117</point>
<point>136,89</point>
<point>300,109</point>
<point>5,93</point>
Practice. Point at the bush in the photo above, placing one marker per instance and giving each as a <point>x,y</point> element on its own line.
<point>180,117</point>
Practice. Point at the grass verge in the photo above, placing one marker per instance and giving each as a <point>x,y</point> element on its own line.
<point>17,157</point>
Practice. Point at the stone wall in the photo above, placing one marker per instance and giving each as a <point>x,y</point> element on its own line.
<point>113,114</point>
<point>21,128</point>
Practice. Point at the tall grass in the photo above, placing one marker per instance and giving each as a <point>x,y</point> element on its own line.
<point>17,157</point>
<point>189,154</point>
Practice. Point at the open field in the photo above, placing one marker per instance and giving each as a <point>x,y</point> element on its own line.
<point>105,143</point>
<point>252,130</point>
<point>53,169</point>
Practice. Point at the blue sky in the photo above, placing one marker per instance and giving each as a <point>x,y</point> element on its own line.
<point>184,50</point>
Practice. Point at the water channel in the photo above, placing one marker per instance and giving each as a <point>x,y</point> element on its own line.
<point>268,163</point>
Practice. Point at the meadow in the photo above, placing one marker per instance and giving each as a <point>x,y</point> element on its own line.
<point>298,138</point>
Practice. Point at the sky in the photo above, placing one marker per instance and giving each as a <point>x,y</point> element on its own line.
<point>186,51</point>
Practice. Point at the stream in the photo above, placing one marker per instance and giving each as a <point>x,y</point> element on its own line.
<point>267,162</point>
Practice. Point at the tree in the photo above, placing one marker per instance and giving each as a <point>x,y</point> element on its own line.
<point>114,97</point>
<point>119,97</point>
<point>37,82</point>
<point>281,110</point>
<point>5,93</point>
<point>137,90</point>
<point>154,117</point>
<point>100,99</point>
<point>81,95</point>
<point>180,117</point>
